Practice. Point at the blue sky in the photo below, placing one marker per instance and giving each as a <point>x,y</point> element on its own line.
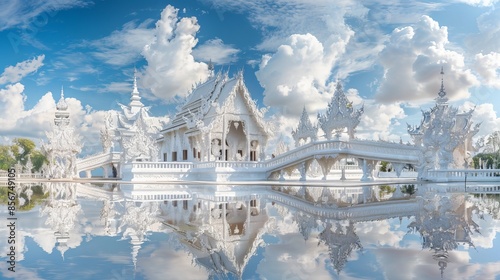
<point>388,55</point>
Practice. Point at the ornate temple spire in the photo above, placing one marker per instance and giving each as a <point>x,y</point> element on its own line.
<point>61,104</point>
<point>210,69</point>
<point>61,115</point>
<point>305,129</point>
<point>135,99</point>
<point>442,99</point>
<point>340,115</point>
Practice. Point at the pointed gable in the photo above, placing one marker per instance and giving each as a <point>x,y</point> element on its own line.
<point>217,96</point>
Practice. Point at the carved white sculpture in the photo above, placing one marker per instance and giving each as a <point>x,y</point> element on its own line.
<point>63,144</point>
<point>440,133</point>
<point>136,131</point>
<point>141,146</point>
<point>107,134</point>
<point>304,130</point>
<point>340,115</point>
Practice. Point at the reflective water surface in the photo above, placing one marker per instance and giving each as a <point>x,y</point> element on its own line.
<point>85,231</point>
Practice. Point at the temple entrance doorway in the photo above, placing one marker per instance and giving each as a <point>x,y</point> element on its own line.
<point>236,142</point>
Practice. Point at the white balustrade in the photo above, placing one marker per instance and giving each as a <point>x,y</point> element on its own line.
<point>355,148</point>
<point>153,166</point>
<point>459,174</point>
<point>97,160</point>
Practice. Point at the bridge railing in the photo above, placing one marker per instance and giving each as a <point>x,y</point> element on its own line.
<point>97,160</point>
<point>229,164</point>
<point>354,146</point>
<point>306,150</point>
<point>459,174</point>
<point>162,165</point>
<point>384,148</point>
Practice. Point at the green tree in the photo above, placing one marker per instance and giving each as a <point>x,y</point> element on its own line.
<point>37,198</point>
<point>383,166</point>
<point>38,159</point>
<point>6,158</point>
<point>386,189</point>
<point>20,150</point>
<point>408,189</point>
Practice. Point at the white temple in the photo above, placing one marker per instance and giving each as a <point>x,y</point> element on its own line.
<point>219,121</point>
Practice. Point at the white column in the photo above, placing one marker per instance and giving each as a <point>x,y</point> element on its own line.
<point>224,221</point>
<point>106,173</point>
<point>247,229</point>
<point>223,136</point>
<point>209,146</point>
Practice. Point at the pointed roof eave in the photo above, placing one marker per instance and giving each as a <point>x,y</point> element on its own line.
<point>257,114</point>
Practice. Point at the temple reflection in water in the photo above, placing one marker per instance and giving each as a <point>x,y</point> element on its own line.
<point>259,232</point>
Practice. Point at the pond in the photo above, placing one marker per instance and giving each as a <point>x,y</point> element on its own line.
<point>112,231</point>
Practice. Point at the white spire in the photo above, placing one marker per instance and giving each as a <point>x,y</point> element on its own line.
<point>62,105</point>
<point>135,99</point>
<point>135,82</point>
<point>210,69</point>
<point>441,99</point>
<point>61,115</point>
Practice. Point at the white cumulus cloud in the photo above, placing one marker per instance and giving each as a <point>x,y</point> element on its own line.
<point>488,38</point>
<point>488,67</point>
<point>172,71</point>
<point>14,74</point>
<point>296,75</point>
<point>485,115</point>
<point>216,51</point>
<point>412,61</point>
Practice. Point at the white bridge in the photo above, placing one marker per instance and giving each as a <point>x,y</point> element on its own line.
<point>106,161</point>
<point>326,153</point>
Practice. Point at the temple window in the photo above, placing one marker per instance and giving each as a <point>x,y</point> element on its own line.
<point>253,155</point>
<point>253,203</point>
<point>184,154</point>
<point>174,156</point>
